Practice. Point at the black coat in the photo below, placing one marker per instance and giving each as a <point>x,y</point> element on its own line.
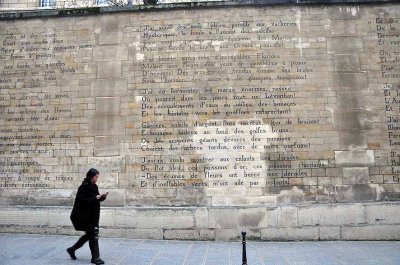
<point>86,211</point>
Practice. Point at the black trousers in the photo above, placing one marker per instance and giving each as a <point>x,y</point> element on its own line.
<point>88,236</point>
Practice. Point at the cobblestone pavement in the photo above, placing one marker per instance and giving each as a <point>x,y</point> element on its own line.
<point>30,249</point>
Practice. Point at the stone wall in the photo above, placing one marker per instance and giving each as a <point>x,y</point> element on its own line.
<point>281,120</point>
<point>368,221</point>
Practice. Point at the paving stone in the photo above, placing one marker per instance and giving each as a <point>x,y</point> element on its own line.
<point>49,250</point>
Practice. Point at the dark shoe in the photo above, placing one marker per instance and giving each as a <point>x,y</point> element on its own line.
<point>97,261</point>
<point>71,253</point>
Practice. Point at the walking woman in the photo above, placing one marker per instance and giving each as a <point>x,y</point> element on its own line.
<point>86,214</point>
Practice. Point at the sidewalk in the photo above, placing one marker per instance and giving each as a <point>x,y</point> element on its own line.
<point>30,249</point>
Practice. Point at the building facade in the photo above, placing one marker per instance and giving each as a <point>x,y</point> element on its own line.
<point>279,119</point>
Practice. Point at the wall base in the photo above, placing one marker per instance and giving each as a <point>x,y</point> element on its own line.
<point>374,221</point>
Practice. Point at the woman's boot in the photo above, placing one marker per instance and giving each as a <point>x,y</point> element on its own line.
<point>82,240</point>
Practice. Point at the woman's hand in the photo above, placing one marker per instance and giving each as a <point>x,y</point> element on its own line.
<point>104,195</point>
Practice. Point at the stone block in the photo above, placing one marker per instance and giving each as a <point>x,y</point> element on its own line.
<point>343,27</point>
<point>176,234</point>
<point>106,146</point>
<point>330,215</point>
<point>108,106</point>
<point>24,217</point>
<point>272,217</point>
<point>253,217</point>
<point>346,63</point>
<point>110,52</point>
<point>329,233</point>
<point>54,197</point>
<point>33,230</point>
<point>207,234</point>
<point>126,217</point>
<point>116,232</point>
<point>376,232</point>
<point>105,165</point>
<point>223,218</point>
<point>290,234</point>
<point>233,191</point>
<point>354,158</point>
<point>350,81</point>
<point>173,218</point>
<point>107,125</point>
<point>109,69</point>
<point>112,87</point>
<point>345,45</point>
<point>311,181</point>
<point>353,138</point>
<point>228,201</point>
<point>356,193</point>
<point>201,218</point>
<point>349,120</point>
<point>382,214</point>
<point>287,216</point>
<point>116,197</point>
<point>155,234</point>
<point>59,217</point>
<point>261,200</point>
<point>348,100</point>
<point>222,234</point>
<point>355,175</point>
<point>110,37</point>
<point>107,217</point>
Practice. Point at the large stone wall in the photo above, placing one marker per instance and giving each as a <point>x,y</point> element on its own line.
<point>283,120</point>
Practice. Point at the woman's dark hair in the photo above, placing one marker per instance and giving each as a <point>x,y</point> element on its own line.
<point>91,173</point>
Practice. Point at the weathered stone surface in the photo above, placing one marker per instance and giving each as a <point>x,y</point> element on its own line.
<point>332,215</point>
<point>329,233</point>
<point>201,218</point>
<point>253,217</point>
<point>354,193</point>
<point>109,164</point>
<point>345,45</point>
<point>381,232</point>
<point>355,175</point>
<point>28,217</point>
<point>287,217</point>
<point>343,27</point>
<point>165,218</point>
<point>347,63</point>
<point>181,234</point>
<point>110,52</point>
<point>291,234</point>
<point>204,122</point>
<point>108,87</point>
<point>115,197</point>
<point>106,146</point>
<point>227,234</point>
<point>383,214</point>
<point>354,158</point>
<point>350,81</point>
<point>107,125</point>
<point>126,217</point>
<point>223,218</point>
<point>156,234</point>
<point>108,106</point>
<point>207,234</point>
